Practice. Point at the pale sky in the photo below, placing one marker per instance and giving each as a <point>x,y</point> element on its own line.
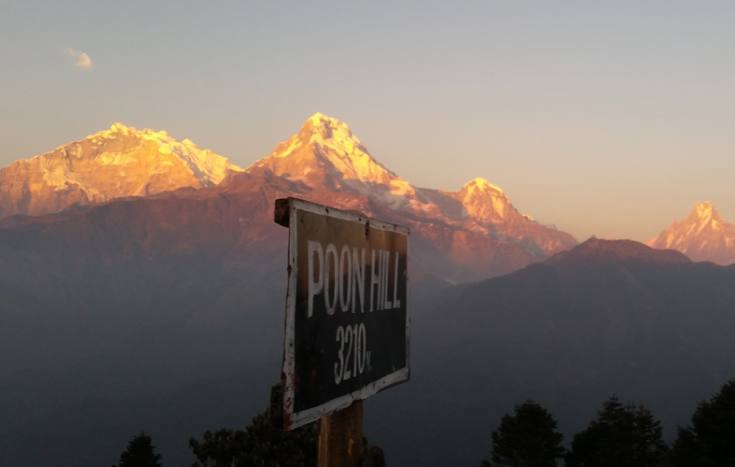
<point>601,118</point>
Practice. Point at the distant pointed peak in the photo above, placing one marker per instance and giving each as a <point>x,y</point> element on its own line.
<point>322,142</point>
<point>482,184</point>
<point>319,118</point>
<point>705,211</point>
<point>485,202</point>
<point>324,127</point>
<point>704,235</point>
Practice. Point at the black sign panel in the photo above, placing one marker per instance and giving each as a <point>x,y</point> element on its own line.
<point>346,319</point>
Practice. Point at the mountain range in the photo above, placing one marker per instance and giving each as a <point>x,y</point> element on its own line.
<point>118,302</point>
<point>474,232</point>
<point>143,282</point>
<point>471,233</point>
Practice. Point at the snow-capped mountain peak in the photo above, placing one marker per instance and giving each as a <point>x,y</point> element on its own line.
<point>207,166</point>
<point>323,128</point>
<point>705,214</point>
<point>703,236</point>
<point>120,161</point>
<point>481,184</point>
<point>485,202</point>
<point>327,156</point>
<point>326,151</point>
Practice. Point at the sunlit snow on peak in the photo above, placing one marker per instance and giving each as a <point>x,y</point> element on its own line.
<point>705,211</point>
<point>482,184</point>
<point>703,235</point>
<point>325,147</point>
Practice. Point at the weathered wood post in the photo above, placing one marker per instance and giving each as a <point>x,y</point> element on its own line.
<point>340,438</point>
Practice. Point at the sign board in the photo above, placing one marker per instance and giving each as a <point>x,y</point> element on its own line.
<point>347,324</point>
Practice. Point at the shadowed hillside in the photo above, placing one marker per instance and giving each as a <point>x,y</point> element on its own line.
<point>606,317</point>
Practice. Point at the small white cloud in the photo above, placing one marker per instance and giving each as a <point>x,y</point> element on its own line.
<point>81,59</point>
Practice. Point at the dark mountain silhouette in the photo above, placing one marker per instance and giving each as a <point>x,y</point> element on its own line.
<point>597,251</point>
<point>607,317</point>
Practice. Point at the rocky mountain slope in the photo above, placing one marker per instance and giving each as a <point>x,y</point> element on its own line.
<point>115,163</point>
<point>703,236</point>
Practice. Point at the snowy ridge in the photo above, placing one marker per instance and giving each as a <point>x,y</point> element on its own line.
<point>120,161</point>
<point>209,168</point>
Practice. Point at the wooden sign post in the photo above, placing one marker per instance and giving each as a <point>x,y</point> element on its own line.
<point>347,326</point>
<point>340,438</point>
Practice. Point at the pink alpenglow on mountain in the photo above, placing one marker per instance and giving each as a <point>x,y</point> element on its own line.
<point>115,163</point>
<point>703,236</point>
<point>326,152</point>
<point>477,225</point>
<point>468,234</point>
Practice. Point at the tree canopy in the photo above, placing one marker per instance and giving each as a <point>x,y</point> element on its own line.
<point>620,436</point>
<point>710,440</point>
<point>140,453</point>
<point>527,438</point>
<point>260,444</point>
